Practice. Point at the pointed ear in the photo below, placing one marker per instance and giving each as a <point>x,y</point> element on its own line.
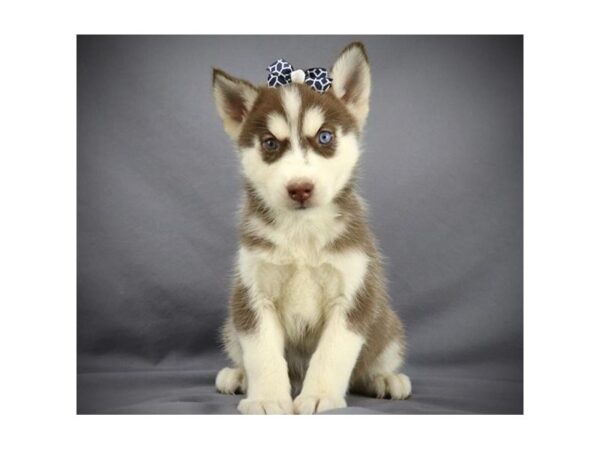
<point>234,98</point>
<point>352,81</point>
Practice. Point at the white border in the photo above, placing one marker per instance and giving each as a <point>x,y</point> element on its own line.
<point>561,227</point>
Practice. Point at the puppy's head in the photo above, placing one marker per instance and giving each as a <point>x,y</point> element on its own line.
<point>298,147</point>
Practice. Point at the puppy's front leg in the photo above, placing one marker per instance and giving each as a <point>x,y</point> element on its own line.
<point>269,390</point>
<point>330,367</point>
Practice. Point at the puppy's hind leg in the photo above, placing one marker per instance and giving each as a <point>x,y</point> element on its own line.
<point>382,379</point>
<point>231,380</point>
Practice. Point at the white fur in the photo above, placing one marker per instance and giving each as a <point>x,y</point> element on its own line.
<point>330,367</point>
<point>351,266</point>
<point>291,100</point>
<point>312,121</point>
<point>303,282</point>
<point>230,380</point>
<point>246,92</point>
<point>384,380</point>
<point>394,385</point>
<point>298,284</point>
<point>389,360</point>
<point>300,236</point>
<point>278,126</point>
<point>352,64</point>
<point>328,175</point>
<point>306,284</point>
<point>268,385</point>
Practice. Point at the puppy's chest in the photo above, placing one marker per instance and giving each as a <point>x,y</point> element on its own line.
<point>302,285</point>
<point>302,275</point>
<point>302,301</point>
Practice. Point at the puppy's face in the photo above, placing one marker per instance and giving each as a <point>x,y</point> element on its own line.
<point>298,148</point>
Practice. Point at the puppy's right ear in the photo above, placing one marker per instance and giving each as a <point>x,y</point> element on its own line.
<point>234,99</point>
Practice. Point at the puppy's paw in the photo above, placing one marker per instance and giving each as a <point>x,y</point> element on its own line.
<point>231,381</point>
<point>311,404</point>
<point>282,406</point>
<point>392,385</point>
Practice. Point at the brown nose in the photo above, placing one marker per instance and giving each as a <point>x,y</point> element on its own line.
<point>300,191</point>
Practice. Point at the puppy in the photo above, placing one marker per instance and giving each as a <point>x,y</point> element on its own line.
<point>309,316</point>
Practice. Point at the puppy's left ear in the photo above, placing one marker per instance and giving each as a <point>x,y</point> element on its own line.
<point>234,98</point>
<point>352,81</point>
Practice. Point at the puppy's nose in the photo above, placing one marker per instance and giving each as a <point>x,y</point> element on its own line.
<point>300,191</point>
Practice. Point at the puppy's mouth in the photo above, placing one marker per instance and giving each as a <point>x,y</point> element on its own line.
<point>301,206</point>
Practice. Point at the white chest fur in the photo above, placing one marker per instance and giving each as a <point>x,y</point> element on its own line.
<point>299,277</point>
<point>302,302</point>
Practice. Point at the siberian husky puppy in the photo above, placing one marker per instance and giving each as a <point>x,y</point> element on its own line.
<point>309,316</point>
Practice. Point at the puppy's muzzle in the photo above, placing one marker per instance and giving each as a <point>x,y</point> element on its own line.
<point>300,191</point>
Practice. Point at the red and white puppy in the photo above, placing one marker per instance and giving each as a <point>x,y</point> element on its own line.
<point>309,314</point>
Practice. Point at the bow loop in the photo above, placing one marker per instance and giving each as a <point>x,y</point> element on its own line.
<point>280,74</point>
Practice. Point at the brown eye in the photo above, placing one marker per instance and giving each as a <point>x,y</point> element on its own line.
<point>270,144</point>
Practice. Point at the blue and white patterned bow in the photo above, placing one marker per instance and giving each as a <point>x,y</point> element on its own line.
<point>281,73</point>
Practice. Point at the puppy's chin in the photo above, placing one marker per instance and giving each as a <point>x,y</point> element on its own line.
<point>305,206</point>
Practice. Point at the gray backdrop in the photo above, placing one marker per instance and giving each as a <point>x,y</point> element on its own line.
<point>158,188</point>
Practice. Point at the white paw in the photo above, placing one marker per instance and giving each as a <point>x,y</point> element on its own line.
<point>394,385</point>
<point>311,404</point>
<point>283,406</point>
<point>231,381</point>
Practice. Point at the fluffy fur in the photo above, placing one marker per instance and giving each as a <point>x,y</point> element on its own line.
<point>309,314</point>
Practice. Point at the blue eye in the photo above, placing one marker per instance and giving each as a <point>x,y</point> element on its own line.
<point>270,144</point>
<point>325,137</point>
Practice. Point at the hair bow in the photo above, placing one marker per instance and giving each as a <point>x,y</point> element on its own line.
<point>281,73</point>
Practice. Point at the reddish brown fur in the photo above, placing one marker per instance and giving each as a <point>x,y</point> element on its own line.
<point>235,104</point>
<point>244,318</point>
<point>371,314</point>
<point>269,101</point>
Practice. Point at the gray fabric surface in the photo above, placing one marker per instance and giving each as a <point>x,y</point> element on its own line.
<point>158,189</point>
<point>187,387</point>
